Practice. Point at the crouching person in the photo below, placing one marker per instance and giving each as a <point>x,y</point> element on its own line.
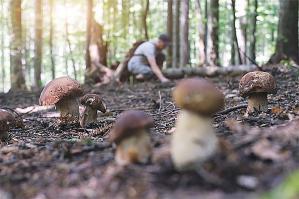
<point>148,59</point>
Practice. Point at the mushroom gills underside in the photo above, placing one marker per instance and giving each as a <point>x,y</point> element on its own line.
<point>134,149</point>
<point>193,141</point>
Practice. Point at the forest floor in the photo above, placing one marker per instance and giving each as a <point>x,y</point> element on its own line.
<point>44,160</point>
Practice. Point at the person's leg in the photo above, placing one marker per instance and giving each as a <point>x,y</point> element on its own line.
<point>142,72</point>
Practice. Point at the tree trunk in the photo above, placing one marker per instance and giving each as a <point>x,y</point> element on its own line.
<point>51,35</point>
<point>252,45</point>
<point>2,47</point>
<point>16,45</point>
<point>212,34</point>
<point>178,73</point>
<point>68,41</point>
<point>170,31</point>
<point>241,26</point>
<point>125,18</point>
<point>38,43</point>
<point>201,34</point>
<point>287,39</point>
<point>184,36</point>
<point>236,46</point>
<point>146,11</point>
<point>176,34</point>
<point>89,19</point>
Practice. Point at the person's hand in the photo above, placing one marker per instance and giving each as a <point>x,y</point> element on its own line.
<point>165,80</point>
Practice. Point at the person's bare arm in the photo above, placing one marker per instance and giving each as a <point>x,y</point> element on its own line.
<point>157,71</point>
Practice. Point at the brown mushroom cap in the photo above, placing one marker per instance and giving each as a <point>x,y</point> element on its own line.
<point>257,82</point>
<point>94,101</point>
<point>198,95</point>
<point>128,124</point>
<point>7,120</point>
<point>58,89</point>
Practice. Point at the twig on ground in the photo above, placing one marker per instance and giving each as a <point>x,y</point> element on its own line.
<point>231,109</point>
<point>160,101</point>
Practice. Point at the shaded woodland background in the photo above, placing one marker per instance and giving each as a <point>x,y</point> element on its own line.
<point>44,39</point>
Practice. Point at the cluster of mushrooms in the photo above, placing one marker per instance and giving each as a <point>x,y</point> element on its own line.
<point>194,139</point>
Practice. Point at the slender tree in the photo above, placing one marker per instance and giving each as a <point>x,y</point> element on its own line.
<point>144,20</point>
<point>212,54</point>
<point>68,41</point>
<point>252,47</point>
<point>38,43</point>
<point>2,46</point>
<point>235,47</point>
<point>170,30</point>
<point>184,36</point>
<point>241,29</point>
<point>89,19</point>
<point>51,35</point>
<point>201,31</point>
<point>287,39</point>
<point>176,33</point>
<point>16,71</point>
<point>125,18</point>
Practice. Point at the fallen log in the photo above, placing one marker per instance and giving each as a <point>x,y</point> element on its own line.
<point>178,73</point>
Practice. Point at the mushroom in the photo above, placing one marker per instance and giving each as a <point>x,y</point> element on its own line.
<point>92,103</point>
<point>256,86</point>
<point>194,139</point>
<point>131,136</point>
<point>63,92</point>
<point>7,120</point>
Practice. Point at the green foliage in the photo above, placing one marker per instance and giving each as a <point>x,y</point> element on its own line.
<point>287,190</point>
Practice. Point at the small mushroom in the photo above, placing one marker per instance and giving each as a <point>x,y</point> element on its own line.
<point>194,139</point>
<point>63,92</point>
<point>7,120</point>
<point>92,103</point>
<point>256,86</point>
<point>131,136</point>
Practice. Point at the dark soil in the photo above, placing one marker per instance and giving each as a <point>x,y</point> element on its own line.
<point>45,160</point>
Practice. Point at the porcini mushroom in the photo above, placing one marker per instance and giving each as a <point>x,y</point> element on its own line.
<point>63,92</point>
<point>131,136</point>
<point>256,86</point>
<point>92,103</point>
<point>194,139</point>
<point>7,120</point>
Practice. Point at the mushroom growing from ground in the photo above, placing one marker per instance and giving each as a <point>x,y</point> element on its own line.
<point>92,103</point>
<point>131,136</point>
<point>194,139</point>
<point>7,120</point>
<point>63,92</point>
<point>256,86</point>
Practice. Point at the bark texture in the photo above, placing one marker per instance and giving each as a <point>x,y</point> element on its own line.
<point>16,45</point>
<point>287,40</point>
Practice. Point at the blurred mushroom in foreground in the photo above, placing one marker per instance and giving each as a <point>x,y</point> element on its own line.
<point>63,92</point>
<point>7,120</point>
<point>92,103</point>
<point>256,86</point>
<point>194,139</point>
<point>131,136</point>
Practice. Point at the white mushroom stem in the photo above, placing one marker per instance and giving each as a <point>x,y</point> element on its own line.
<point>257,101</point>
<point>69,110</point>
<point>193,141</point>
<point>134,149</point>
<point>89,115</point>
